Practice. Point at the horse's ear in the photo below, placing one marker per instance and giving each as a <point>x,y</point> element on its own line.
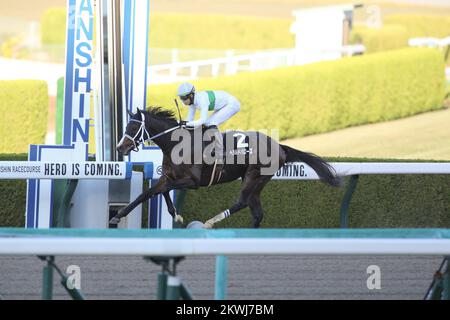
<point>130,113</point>
<point>139,111</point>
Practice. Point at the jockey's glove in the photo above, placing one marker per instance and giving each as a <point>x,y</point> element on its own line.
<point>184,125</point>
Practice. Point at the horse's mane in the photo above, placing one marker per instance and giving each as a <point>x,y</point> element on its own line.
<point>162,114</point>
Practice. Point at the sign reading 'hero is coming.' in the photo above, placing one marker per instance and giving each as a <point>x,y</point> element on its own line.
<point>65,170</point>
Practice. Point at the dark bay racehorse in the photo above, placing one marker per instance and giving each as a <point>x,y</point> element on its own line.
<point>159,125</point>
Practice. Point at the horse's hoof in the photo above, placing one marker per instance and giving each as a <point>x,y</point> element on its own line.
<point>195,225</point>
<point>178,218</point>
<point>207,225</point>
<point>114,220</point>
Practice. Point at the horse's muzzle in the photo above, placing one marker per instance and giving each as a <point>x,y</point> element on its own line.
<point>125,153</point>
<point>125,146</point>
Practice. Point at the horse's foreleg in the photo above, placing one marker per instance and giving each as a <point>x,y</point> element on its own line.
<point>173,212</point>
<point>163,185</point>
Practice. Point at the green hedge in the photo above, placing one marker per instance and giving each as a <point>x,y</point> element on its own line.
<point>13,196</point>
<point>379,201</point>
<point>330,95</point>
<point>193,31</point>
<point>383,201</point>
<point>24,111</point>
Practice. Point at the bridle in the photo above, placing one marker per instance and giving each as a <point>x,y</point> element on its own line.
<point>139,137</point>
<point>142,132</point>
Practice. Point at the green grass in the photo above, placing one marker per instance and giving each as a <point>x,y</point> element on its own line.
<point>193,31</point>
<point>202,35</point>
<point>208,31</point>
<point>424,136</point>
<point>215,31</point>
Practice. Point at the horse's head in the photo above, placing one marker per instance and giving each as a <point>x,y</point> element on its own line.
<point>135,133</point>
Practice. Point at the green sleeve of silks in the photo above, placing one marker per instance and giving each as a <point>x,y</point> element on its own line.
<point>212,100</point>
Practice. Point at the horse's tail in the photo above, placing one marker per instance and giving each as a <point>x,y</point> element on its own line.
<point>323,169</point>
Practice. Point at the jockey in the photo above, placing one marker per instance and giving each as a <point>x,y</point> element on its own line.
<point>223,105</point>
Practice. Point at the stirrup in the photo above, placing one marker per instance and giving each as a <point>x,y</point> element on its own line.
<point>214,174</point>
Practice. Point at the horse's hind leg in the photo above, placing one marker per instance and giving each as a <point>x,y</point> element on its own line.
<point>256,209</point>
<point>241,204</point>
<point>252,184</point>
<point>248,185</point>
<point>254,201</point>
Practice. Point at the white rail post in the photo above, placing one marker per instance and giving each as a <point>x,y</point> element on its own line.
<point>174,61</point>
<point>215,69</point>
<point>230,68</point>
<point>194,71</point>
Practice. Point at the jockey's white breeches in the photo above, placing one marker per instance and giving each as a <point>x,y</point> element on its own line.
<point>224,113</point>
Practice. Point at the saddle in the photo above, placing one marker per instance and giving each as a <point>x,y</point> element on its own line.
<point>212,172</point>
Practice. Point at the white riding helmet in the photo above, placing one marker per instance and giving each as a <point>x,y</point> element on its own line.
<point>185,89</point>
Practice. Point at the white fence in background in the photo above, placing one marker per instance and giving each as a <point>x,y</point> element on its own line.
<point>12,69</point>
<point>232,64</point>
<point>429,42</point>
<point>229,64</point>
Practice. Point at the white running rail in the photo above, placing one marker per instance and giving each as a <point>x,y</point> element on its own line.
<point>232,64</point>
